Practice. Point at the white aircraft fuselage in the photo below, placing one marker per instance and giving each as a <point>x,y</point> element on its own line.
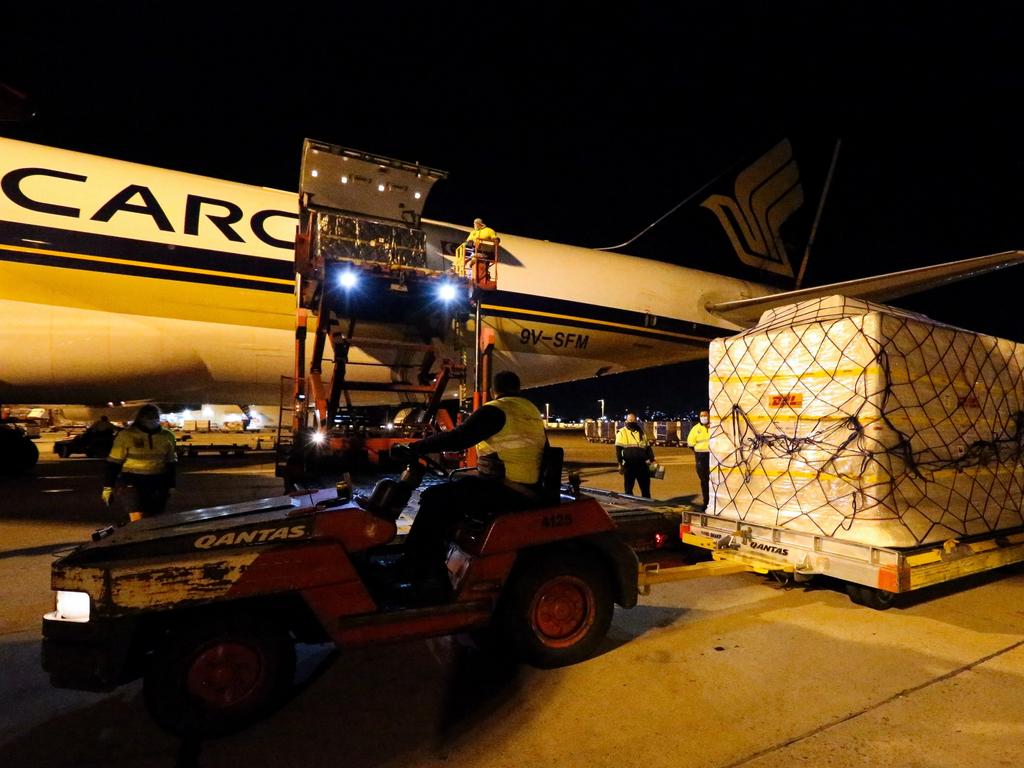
<point>121,281</point>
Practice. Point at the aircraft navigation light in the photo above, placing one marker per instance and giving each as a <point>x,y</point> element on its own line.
<point>344,179</point>
<point>315,173</point>
<point>446,292</point>
<point>380,187</point>
<point>348,279</point>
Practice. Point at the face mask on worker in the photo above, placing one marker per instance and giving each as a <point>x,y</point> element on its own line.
<point>633,425</point>
<point>705,420</point>
<point>150,425</point>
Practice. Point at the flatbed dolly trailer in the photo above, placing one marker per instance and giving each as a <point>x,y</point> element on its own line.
<point>206,606</point>
<point>191,450</point>
<point>874,576</point>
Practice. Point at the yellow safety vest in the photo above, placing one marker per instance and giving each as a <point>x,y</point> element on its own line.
<point>519,445</point>
<point>484,233</point>
<point>142,453</point>
<point>699,438</point>
<point>635,445</point>
<point>627,438</point>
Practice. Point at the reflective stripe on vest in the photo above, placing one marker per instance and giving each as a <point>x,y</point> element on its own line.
<point>698,438</point>
<point>627,438</point>
<point>520,443</point>
<point>142,453</point>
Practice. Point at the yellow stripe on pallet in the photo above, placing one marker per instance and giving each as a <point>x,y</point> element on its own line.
<point>937,382</point>
<point>855,371</point>
<point>792,417</point>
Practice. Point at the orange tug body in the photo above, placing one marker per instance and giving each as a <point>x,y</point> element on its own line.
<point>206,606</point>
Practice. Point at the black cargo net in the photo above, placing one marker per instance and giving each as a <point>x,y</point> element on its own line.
<point>867,423</point>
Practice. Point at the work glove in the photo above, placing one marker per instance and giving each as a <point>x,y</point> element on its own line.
<point>108,492</point>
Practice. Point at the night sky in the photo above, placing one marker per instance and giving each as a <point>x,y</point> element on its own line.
<point>582,128</point>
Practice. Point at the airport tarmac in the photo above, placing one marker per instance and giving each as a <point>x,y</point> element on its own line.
<point>726,671</point>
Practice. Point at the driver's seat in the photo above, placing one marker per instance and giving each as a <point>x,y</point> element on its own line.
<point>551,476</point>
<point>390,497</point>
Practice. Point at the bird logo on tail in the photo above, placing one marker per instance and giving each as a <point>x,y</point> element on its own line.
<point>767,193</point>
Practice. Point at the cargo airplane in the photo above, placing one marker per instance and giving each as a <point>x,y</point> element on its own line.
<point>124,282</point>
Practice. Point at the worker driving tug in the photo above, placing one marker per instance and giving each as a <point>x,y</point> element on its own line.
<point>508,433</point>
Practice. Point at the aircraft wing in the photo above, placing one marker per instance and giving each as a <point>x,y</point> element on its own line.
<point>877,288</point>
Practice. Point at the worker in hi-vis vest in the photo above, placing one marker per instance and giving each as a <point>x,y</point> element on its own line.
<point>141,466</point>
<point>634,453</point>
<point>699,439</point>
<point>480,231</point>
<point>508,433</point>
<point>482,246</point>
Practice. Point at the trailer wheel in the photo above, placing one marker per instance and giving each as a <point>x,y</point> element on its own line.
<point>559,611</point>
<point>879,599</point>
<point>219,677</point>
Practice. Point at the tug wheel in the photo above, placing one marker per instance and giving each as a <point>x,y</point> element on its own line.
<point>218,678</point>
<point>559,611</point>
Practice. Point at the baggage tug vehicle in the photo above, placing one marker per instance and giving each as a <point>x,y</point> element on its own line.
<point>206,606</point>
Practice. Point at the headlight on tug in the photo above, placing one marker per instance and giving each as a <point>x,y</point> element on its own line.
<point>72,606</point>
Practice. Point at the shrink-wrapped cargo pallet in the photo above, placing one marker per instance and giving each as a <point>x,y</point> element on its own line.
<point>866,423</point>
<point>346,238</point>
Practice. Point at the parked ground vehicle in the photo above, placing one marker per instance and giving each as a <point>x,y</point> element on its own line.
<point>207,605</point>
<point>17,448</point>
<point>95,444</point>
